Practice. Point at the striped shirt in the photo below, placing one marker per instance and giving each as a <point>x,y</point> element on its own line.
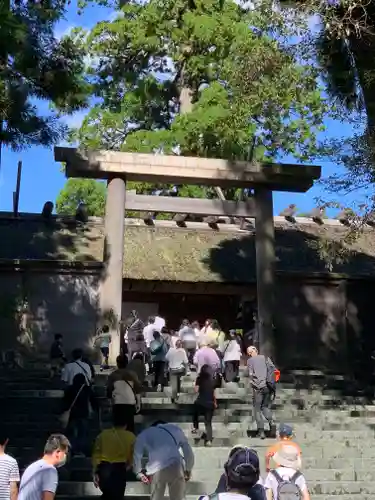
<point>9,473</point>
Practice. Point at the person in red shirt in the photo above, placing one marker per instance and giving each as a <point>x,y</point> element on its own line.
<point>285,436</point>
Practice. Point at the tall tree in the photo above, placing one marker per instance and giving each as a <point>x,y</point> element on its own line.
<point>88,191</point>
<point>344,46</point>
<point>204,78</point>
<point>35,65</point>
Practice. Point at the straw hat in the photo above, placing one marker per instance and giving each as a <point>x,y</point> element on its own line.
<point>288,456</point>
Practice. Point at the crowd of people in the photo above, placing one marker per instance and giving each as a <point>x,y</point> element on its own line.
<point>169,463</point>
<point>151,353</point>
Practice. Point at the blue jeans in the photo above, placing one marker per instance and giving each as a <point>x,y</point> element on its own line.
<point>77,432</point>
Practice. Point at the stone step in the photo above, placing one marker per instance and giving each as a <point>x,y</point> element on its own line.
<point>230,430</point>
<point>325,450</point>
<point>81,488</point>
<point>217,458</point>
<point>312,475</point>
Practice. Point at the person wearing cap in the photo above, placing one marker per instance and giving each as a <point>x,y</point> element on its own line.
<point>256,492</point>
<point>288,470</point>
<point>285,436</point>
<point>242,474</point>
<point>258,366</point>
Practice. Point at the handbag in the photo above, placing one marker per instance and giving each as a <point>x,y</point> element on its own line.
<point>181,370</point>
<point>65,416</point>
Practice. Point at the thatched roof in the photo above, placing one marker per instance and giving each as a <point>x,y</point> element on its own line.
<point>195,253</point>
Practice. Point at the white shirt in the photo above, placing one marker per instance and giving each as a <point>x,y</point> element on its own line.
<point>162,444</point>
<point>123,394</point>
<point>74,368</point>
<point>176,358</point>
<point>231,350</point>
<point>187,334</point>
<point>159,323</point>
<point>285,473</point>
<point>148,333</point>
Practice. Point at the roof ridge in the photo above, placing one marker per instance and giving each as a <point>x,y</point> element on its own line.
<point>278,220</point>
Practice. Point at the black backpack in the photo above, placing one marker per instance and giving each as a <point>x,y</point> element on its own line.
<point>287,489</point>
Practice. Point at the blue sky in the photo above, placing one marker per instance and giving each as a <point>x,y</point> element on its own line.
<point>41,176</point>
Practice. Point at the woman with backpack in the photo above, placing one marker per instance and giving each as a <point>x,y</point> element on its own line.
<point>205,403</point>
<point>124,389</point>
<point>79,400</point>
<point>231,356</point>
<point>286,482</point>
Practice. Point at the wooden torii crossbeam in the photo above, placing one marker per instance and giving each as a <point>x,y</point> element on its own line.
<point>118,168</point>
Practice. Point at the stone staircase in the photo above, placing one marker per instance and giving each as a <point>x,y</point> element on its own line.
<point>335,430</point>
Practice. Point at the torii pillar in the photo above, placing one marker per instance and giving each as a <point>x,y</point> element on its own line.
<point>110,297</point>
<point>264,178</point>
<point>265,268</point>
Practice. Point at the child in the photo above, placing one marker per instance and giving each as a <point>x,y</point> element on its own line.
<point>286,477</point>
<point>285,437</point>
<point>104,340</point>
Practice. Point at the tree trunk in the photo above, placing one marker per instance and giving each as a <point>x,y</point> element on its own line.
<point>186,105</point>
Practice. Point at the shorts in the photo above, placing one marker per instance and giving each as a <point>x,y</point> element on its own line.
<point>105,351</point>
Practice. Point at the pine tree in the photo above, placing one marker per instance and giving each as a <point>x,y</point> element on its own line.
<point>35,65</point>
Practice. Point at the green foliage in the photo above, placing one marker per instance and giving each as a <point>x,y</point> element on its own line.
<point>88,191</point>
<point>34,65</point>
<point>251,97</point>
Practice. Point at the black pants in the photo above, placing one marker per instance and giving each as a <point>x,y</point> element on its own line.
<point>261,402</point>
<point>159,375</point>
<point>112,480</point>
<point>207,413</point>
<point>128,413</point>
<point>231,370</point>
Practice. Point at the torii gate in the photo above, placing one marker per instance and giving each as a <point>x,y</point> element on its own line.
<point>263,178</point>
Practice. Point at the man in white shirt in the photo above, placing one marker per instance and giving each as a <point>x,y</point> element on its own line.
<point>288,471</point>
<point>40,479</point>
<point>75,367</point>
<point>161,443</point>
<point>159,323</point>
<point>148,330</point>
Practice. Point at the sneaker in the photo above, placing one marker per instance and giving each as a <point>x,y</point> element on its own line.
<point>262,434</point>
<point>194,431</point>
<point>159,389</point>
<point>208,444</point>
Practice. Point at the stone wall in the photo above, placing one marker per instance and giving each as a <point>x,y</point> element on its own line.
<point>319,323</point>
<point>36,305</point>
<point>310,324</point>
